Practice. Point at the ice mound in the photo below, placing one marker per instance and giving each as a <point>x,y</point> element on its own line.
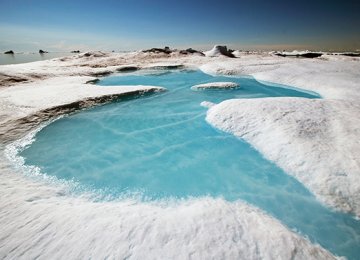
<point>219,50</point>
<point>216,85</point>
<point>95,54</point>
<point>207,104</point>
<point>191,51</point>
<point>281,127</point>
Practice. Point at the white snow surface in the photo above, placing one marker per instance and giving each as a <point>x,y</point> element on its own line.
<point>207,104</point>
<point>319,139</point>
<point>54,92</point>
<point>317,144</point>
<point>38,220</point>
<point>329,76</point>
<point>216,85</point>
<point>41,221</point>
<point>296,52</point>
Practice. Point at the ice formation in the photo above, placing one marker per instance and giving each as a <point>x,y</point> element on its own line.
<point>317,141</point>
<point>216,85</point>
<point>219,50</point>
<point>298,134</point>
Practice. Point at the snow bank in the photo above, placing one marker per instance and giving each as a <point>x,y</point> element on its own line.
<point>337,78</point>
<point>41,221</point>
<point>316,141</point>
<point>55,92</point>
<point>295,53</point>
<point>23,107</point>
<point>216,85</point>
<point>320,163</point>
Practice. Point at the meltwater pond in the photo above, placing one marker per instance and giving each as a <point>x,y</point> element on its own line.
<point>160,147</point>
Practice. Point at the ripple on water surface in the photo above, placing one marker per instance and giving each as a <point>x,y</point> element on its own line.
<point>160,146</point>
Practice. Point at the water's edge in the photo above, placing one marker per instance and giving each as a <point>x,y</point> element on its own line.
<point>35,123</point>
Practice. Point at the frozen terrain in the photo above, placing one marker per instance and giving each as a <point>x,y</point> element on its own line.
<point>216,85</point>
<point>300,141</point>
<point>38,221</point>
<point>316,141</point>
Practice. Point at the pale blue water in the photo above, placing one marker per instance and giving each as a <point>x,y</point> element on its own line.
<point>17,58</point>
<point>161,146</point>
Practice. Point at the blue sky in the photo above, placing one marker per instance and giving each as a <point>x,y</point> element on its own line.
<point>29,25</point>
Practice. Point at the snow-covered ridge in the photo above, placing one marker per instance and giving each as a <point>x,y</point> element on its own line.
<point>309,139</point>
<point>24,107</point>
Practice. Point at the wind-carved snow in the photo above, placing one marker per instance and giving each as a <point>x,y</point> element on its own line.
<point>40,221</point>
<point>313,140</point>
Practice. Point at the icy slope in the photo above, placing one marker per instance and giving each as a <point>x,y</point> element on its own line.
<point>314,140</point>
<point>39,221</point>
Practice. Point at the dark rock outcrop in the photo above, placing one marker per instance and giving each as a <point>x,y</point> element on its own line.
<point>311,55</point>
<point>168,67</point>
<point>351,54</point>
<point>7,80</point>
<point>9,52</point>
<point>299,55</point>
<point>219,50</point>
<point>101,73</point>
<point>75,51</point>
<point>42,52</point>
<point>127,68</point>
<point>166,50</point>
<point>191,51</point>
<point>95,54</point>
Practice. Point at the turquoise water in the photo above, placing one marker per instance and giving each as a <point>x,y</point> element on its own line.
<point>160,147</point>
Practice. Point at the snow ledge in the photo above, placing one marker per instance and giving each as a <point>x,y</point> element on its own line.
<point>314,140</point>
